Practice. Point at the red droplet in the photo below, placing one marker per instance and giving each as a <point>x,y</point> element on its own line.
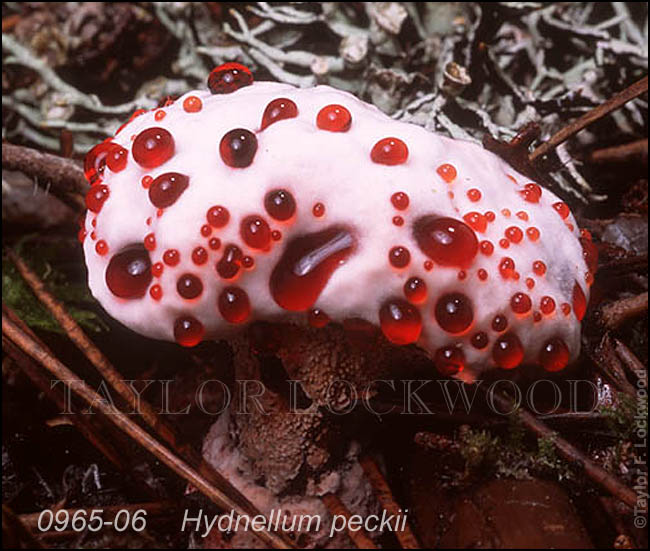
<point>490,216</point>
<point>248,262</point>
<point>306,266</point>
<point>238,147</point>
<point>96,196</point>
<point>159,115</point>
<point>399,257</point>
<point>507,267</point>
<point>428,265</point>
<point>532,233</point>
<point>95,162</point>
<point>454,312</point>
<point>566,308</point>
<point>317,318</point>
<point>554,355</point>
<point>152,147</point>
<point>214,243</point>
<point>150,242</point>
<point>530,282</point>
<point>389,151</point>
<point>199,256</point>
<point>449,360</point>
<point>101,247</point>
<point>398,220</point>
<point>218,216</point>
<point>228,78</point>
<point>334,118</point>
<point>400,321</point>
<point>171,257</point>
<point>539,267</point>
<point>579,302</point>
<point>415,290</point>
<point>504,243</point>
<point>277,110</point>
<point>280,204</point>
<point>537,317</point>
<point>82,235</point>
<point>318,210</point>
<point>230,262</point>
<point>487,248</point>
<point>480,340</point>
<point>507,351</point>
<point>146,181</point>
<point>128,274</point>
<point>474,195</point>
<point>255,232</point>
<point>514,234</point>
<point>482,274</point>
<point>156,292</point>
<point>276,235</point>
<point>476,221</point>
<point>206,230</point>
<point>400,200</point>
<point>531,193</point>
<point>499,323</point>
<point>547,305</point>
<point>188,331</point>
<point>447,241</point>
<point>234,305</point>
<point>189,286</point>
<point>522,216</point>
<point>590,254</point>
<point>506,213</point>
<point>116,158</point>
<point>562,209</point>
<point>167,188</point>
<point>157,269</point>
<point>520,303</point>
<point>462,274</point>
<point>447,172</point>
<point>192,104</point>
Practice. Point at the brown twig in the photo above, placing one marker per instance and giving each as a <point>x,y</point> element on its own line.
<point>569,452</point>
<point>606,360</point>
<point>630,361</point>
<point>359,537</point>
<point>614,314</point>
<point>126,425</point>
<point>618,100</point>
<point>63,177</point>
<point>15,535</point>
<point>406,537</point>
<point>621,153</point>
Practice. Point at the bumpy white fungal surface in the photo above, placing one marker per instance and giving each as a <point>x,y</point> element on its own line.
<point>443,179</point>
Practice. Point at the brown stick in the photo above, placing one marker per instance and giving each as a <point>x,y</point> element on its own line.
<point>569,452</point>
<point>124,423</point>
<point>615,313</point>
<point>64,177</point>
<point>631,92</point>
<point>383,492</point>
<point>15,534</point>
<point>630,361</point>
<point>359,537</point>
<point>621,153</point>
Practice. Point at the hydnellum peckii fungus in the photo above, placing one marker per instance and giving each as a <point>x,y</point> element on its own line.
<point>311,212</point>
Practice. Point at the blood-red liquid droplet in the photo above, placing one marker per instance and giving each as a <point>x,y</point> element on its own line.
<point>487,248</point>
<point>238,147</point>
<point>156,292</point>
<point>230,262</point>
<point>389,151</point>
<point>399,257</point>
<point>318,210</point>
<point>462,275</point>
<point>520,303</point>
<point>101,247</point>
<point>218,216</point>
<point>199,256</point>
<point>159,115</point>
<point>206,230</point>
<point>447,172</point>
<point>96,197</point>
<point>476,221</point>
<point>334,118</point>
<point>566,308</point>
<point>415,290</point>
<point>398,220</point>
<point>255,232</point>
<point>400,321</point>
<point>307,265</point>
<point>128,274</point>
<point>474,195</point>
<point>280,204</point>
<point>192,104</point>
<point>157,269</point>
<point>504,243</point>
<point>95,162</point>
<point>532,233</point>
<point>167,188</point>
<point>189,286</point>
<point>447,241</point>
<point>480,340</point>
<point>539,267</point>
<point>547,305</point>
<point>171,257</point>
<point>507,351</point>
<point>428,265</point>
<point>152,147</point>
<point>317,318</point>
<point>146,181</point>
<point>499,323</point>
<point>214,243</point>
<point>248,262</point>
<point>449,360</point>
<point>490,216</point>
<point>507,267</point>
<point>188,331</point>
<point>506,213</point>
<point>234,305</point>
<point>228,78</point>
<point>150,242</point>
<point>579,302</point>
<point>530,282</point>
<point>276,235</point>
<point>522,216</point>
<point>82,235</point>
<point>554,355</point>
<point>400,200</point>
<point>116,158</point>
<point>590,254</point>
<point>562,209</point>
<point>514,234</point>
<point>531,193</point>
<point>277,110</point>
<point>454,312</point>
